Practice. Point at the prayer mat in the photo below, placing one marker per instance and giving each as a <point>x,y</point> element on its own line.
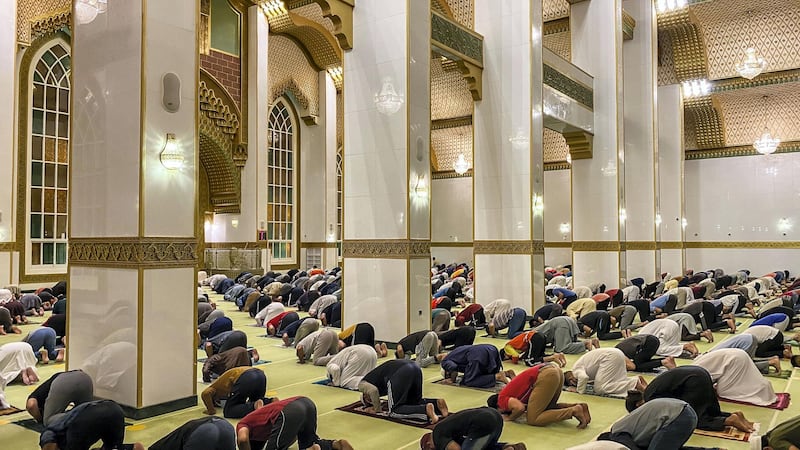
<point>9,411</point>
<point>33,425</point>
<point>781,403</point>
<point>497,387</point>
<point>590,391</point>
<point>656,371</point>
<point>326,382</point>
<point>499,336</point>
<point>730,433</point>
<point>358,408</point>
<point>784,374</point>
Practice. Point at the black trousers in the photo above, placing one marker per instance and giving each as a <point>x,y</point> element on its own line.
<point>250,387</point>
<point>771,347</point>
<point>642,353</point>
<point>235,339</point>
<point>297,422</point>
<point>103,421</point>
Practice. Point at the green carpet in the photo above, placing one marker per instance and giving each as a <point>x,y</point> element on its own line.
<point>287,378</point>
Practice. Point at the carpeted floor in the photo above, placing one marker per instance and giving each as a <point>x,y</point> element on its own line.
<point>287,378</point>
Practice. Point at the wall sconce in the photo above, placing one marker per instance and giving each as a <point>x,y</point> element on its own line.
<point>4,231</point>
<point>235,222</point>
<point>331,235</point>
<point>172,156</point>
<point>564,228</point>
<point>538,204</point>
<point>684,223</point>
<point>209,219</point>
<point>658,219</point>
<point>421,188</point>
<point>519,140</point>
<point>623,215</point>
<point>784,225</point>
<point>388,101</point>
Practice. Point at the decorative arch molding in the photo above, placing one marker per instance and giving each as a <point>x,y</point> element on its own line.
<point>339,12</point>
<point>37,18</point>
<point>294,75</point>
<point>223,152</point>
<point>322,48</point>
<point>688,46</point>
<point>703,120</point>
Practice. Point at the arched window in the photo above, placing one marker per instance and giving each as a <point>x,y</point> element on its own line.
<point>339,201</point>
<point>48,161</point>
<point>281,183</point>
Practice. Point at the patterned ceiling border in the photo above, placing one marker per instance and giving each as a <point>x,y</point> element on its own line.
<point>557,166</point>
<point>556,26</point>
<point>442,124</point>
<point>386,248</point>
<point>596,246</point>
<point>51,24</point>
<point>688,48</point>
<point>133,252</point>
<point>569,87</point>
<point>30,12</point>
<point>745,244</point>
<point>452,36</point>
<point>703,115</point>
<point>504,247</point>
<point>767,79</point>
<point>340,14</point>
<point>741,150</point>
<point>448,174</point>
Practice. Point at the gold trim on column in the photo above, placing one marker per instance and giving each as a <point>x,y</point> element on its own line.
<point>8,246</point>
<point>386,248</point>
<point>561,165</point>
<point>741,150</point>
<point>640,245</point>
<point>538,247</point>
<point>567,244</point>
<point>133,252</point>
<point>744,245</point>
<point>596,246</point>
<point>503,247</point>
<point>628,25</point>
<point>318,245</point>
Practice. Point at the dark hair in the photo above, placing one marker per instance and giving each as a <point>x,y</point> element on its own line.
<point>492,401</point>
<point>633,399</point>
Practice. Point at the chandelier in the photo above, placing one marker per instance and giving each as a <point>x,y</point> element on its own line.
<point>87,10</point>
<point>388,101</point>
<point>766,144</point>
<point>461,165</point>
<point>752,66</point>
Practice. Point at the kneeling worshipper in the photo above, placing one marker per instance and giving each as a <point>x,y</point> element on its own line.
<point>475,428</point>
<point>598,322</point>
<point>778,320</point>
<point>608,369</point>
<point>563,332</point>
<point>535,392</point>
<point>471,315</point>
<point>530,348</point>
<point>52,398</point>
<point>785,436</point>
<point>269,312</point>
<point>425,344</point>
<point>401,381</point>
<point>770,342</point>
<point>17,362</point>
<point>32,304</point>
<point>7,323</point>
<point>332,315</point>
<point>455,338</point>
<point>689,327</point>
<point>545,313</point>
<point>580,308</point>
<point>513,319</point>
<point>243,389</point>
<point>693,385</point>
<point>225,341</point>
<point>707,315</point>
<point>205,320</point>
<point>440,319</point>
<point>496,307</point>
<point>320,304</point>
<point>749,344</point>
<point>622,317</point>
<point>319,346</point>
<point>640,350</point>
<point>207,433</point>
<point>298,330</point>
<point>663,423</point>
<point>737,377</point>
<point>668,333</point>
<point>480,364</point>
<point>220,363</point>
<point>82,426</point>
<point>280,322</point>
<point>281,424</point>
<point>349,366</point>
<point>43,342</point>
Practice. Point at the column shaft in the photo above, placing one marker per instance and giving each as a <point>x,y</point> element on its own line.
<point>670,177</point>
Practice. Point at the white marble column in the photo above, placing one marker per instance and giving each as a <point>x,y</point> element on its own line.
<point>8,69</point>
<point>508,175</point>
<point>598,183</point>
<point>670,177</point>
<point>387,170</point>
<point>132,230</point>
<point>641,141</point>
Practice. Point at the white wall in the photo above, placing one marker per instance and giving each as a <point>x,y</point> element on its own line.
<point>451,208</point>
<point>557,205</point>
<point>8,67</point>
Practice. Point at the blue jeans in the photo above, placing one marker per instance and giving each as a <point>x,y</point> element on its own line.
<point>516,323</point>
<point>43,337</point>
<point>676,433</point>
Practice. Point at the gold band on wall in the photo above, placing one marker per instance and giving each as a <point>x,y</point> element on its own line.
<point>133,252</point>
<point>386,248</point>
<point>596,246</point>
<point>318,244</point>
<point>237,245</point>
<point>504,247</point>
<point>744,244</point>
<point>554,244</point>
<point>640,245</point>
<point>8,246</point>
<point>669,245</point>
<point>452,244</point>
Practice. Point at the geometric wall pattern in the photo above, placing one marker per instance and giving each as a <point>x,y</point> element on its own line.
<point>450,96</point>
<point>555,146</point>
<point>745,113</point>
<point>449,142</point>
<point>555,9</point>
<point>559,43</point>
<point>290,71</point>
<point>29,11</point>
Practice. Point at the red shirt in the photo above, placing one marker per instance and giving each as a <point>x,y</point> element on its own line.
<point>277,319</point>
<point>261,420</point>
<point>519,387</point>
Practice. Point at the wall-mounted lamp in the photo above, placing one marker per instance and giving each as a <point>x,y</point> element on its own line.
<point>784,225</point>
<point>209,219</point>
<point>172,156</point>
<point>235,222</point>
<point>331,235</point>
<point>421,187</point>
<point>623,215</point>
<point>538,204</point>
<point>684,223</point>
<point>4,231</point>
<point>564,228</point>
<point>658,219</point>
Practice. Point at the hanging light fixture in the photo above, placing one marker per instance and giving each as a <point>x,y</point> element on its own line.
<point>172,156</point>
<point>766,144</point>
<point>87,10</point>
<point>752,66</point>
<point>461,165</point>
<point>388,101</point>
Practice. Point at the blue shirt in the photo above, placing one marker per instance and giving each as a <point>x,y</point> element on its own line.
<point>563,291</point>
<point>659,303</point>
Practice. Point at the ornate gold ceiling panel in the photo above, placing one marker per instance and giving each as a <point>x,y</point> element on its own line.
<point>447,143</point>
<point>31,11</point>
<point>290,71</point>
<point>314,12</point>
<point>463,12</point>
<point>731,26</point>
<point>559,43</point>
<point>703,115</point>
<point>555,146</point>
<point>316,40</point>
<point>450,96</point>
<point>555,9</point>
<point>666,63</point>
<point>338,12</point>
<point>688,49</point>
<point>746,114</point>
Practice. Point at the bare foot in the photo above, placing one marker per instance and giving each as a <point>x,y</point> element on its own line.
<point>442,407</point>
<point>384,350</point>
<point>668,362</point>
<point>580,414</point>
<point>209,349</point>
<point>255,355</point>
<point>585,407</point>
<point>708,335</point>
<point>61,354</point>
<point>431,412</point>
<point>588,344</point>
<point>787,351</point>
<point>258,404</point>
<point>45,358</point>
<point>32,375</point>
<point>596,342</point>
<point>691,348</point>
<point>731,325</point>
<point>285,339</point>
<point>776,363</point>
<point>641,385</point>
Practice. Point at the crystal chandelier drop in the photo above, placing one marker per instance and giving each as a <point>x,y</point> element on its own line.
<point>752,66</point>
<point>461,165</point>
<point>388,101</point>
<point>766,144</point>
<point>87,10</point>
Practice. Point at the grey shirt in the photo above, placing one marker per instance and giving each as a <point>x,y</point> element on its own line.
<point>646,420</point>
